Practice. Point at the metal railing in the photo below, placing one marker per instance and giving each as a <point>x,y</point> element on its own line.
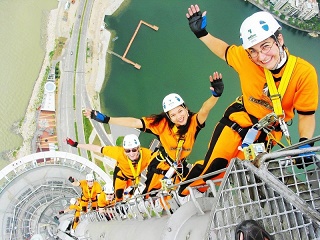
<point>281,192</point>
<point>22,216</point>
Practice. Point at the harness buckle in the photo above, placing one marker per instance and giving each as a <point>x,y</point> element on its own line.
<point>236,127</point>
<point>275,96</point>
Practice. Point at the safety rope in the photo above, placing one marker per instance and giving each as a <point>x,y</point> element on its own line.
<point>269,142</point>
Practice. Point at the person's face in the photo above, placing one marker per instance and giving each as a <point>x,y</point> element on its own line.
<point>133,153</point>
<point>109,196</point>
<point>90,183</point>
<point>179,115</point>
<point>266,53</point>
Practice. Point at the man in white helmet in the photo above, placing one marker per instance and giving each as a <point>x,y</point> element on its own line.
<point>74,206</point>
<point>262,63</point>
<point>176,128</point>
<point>90,191</point>
<point>106,197</point>
<point>131,158</point>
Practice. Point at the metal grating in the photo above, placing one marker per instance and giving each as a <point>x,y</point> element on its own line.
<point>281,197</point>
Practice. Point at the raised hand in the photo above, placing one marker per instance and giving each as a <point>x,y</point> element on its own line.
<point>96,115</point>
<point>217,85</point>
<point>197,21</point>
<point>71,179</point>
<point>71,142</point>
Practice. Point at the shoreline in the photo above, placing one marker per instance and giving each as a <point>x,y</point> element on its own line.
<point>95,68</point>
<point>28,126</point>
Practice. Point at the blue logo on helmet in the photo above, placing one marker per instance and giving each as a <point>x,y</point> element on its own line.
<point>264,26</point>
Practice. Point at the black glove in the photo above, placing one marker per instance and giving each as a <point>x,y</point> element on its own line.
<point>71,179</point>
<point>198,24</point>
<point>61,212</point>
<point>71,142</point>
<point>99,117</point>
<point>218,87</point>
<point>306,158</point>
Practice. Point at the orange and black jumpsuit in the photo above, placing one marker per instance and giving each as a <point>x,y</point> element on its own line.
<point>89,194</point>
<point>104,202</point>
<point>77,213</point>
<point>125,173</point>
<point>301,95</point>
<point>167,153</point>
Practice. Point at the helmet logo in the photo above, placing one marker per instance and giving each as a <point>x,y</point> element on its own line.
<point>171,102</point>
<point>264,26</point>
<point>251,36</point>
<point>130,141</point>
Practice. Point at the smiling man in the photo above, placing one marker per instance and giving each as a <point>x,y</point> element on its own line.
<point>272,81</point>
<point>131,160</point>
<point>91,190</point>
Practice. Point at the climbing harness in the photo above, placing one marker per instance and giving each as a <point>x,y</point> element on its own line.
<point>276,95</point>
<point>251,150</point>
<point>135,174</point>
<point>174,163</point>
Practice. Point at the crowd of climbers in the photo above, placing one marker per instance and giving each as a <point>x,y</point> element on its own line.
<point>273,81</point>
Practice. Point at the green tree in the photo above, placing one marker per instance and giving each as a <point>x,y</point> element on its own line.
<point>119,141</point>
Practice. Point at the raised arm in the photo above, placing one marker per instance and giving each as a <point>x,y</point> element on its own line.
<point>198,23</point>
<point>89,147</point>
<point>121,121</point>
<point>74,181</point>
<point>216,88</point>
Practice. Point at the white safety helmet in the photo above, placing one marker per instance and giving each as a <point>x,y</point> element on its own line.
<point>89,177</point>
<point>108,188</point>
<point>73,201</point>
<point>130,141</point>
<point>171,101</point>
<point>256,28</point>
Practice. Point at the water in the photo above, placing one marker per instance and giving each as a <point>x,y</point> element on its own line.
<point>173,60</point>
<point>22,50</point>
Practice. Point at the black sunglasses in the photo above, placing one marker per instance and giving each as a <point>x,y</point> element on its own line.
<point>131,150</point>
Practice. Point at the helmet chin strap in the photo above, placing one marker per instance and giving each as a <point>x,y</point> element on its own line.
<point>283,57</point>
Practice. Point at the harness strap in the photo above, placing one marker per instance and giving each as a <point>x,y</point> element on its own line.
<point>235,126</point>
<point>237,106</point>
<point>136,174</point>
<point>179,150</point>
<point>179,145</point>
<point>276,95</point>
<point>165,157</point>
<point>123,178</point>
<point>84,200</point>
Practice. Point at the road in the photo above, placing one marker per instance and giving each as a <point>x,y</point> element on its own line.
<point>73,96</point>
